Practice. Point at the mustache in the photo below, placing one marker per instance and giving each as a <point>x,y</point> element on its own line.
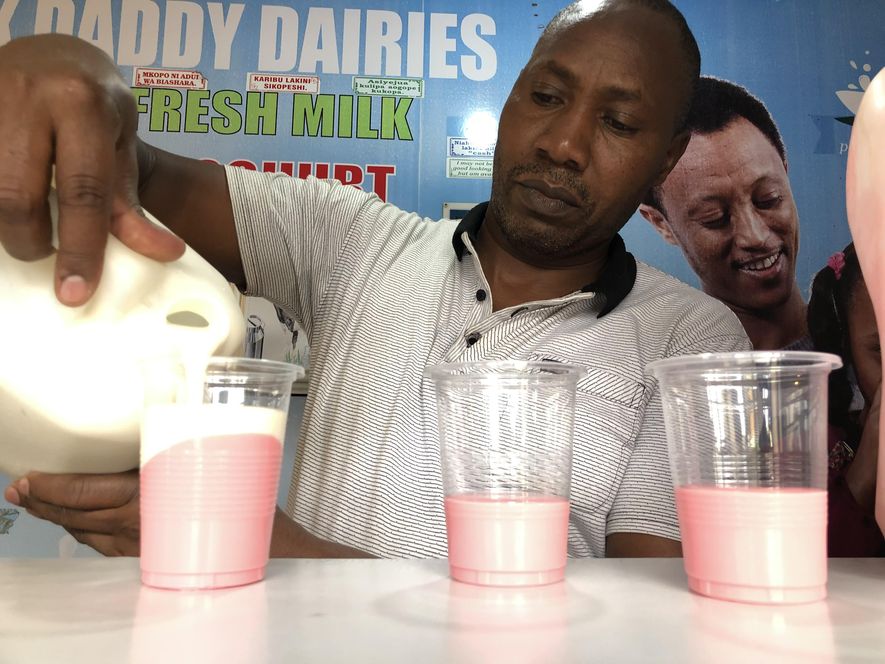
<point>556,176</point>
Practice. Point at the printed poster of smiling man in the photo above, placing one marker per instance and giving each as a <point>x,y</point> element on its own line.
<point>765,166</point>
<point>729,207</point>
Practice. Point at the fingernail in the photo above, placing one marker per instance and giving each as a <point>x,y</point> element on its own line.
<point>11,496</point>
<point>73,290</point>
<point>23,487</point>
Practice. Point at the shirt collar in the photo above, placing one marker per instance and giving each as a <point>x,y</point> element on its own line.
<point>614,284</point>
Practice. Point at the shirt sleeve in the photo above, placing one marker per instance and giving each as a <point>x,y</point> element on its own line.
<point>645,500</point>
<point>291,233</point>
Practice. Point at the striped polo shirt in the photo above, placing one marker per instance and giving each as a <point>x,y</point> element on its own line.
<point>382,294</point>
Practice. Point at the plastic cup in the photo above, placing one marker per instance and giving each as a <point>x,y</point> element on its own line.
<point>506,447</point>
<point>747,434</point>
<point>211,449</point>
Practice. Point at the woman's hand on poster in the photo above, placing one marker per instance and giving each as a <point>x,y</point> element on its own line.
<point>66,105</point>
<point>100,511</point>
<point>861,474</point>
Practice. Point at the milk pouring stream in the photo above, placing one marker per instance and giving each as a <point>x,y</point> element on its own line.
<point>71,389</point>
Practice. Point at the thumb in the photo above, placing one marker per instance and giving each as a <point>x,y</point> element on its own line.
<point>130,224</point>
<point>132,227</point>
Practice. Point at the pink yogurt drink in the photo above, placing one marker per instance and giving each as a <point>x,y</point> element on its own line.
<point>764,545</point>
<point>209,478</point>
<point>507,540</point>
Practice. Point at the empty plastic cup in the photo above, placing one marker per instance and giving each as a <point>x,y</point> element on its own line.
<point>747,434</point>
<point>211,449</point>
<point>506,445</point>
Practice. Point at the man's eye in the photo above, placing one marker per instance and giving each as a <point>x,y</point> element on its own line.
<point>769,202</point>
<point>716,222</point>
<point>619,126</point>
<point>544,99</point>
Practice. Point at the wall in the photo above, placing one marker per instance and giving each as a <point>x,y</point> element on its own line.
<point>400,97</point>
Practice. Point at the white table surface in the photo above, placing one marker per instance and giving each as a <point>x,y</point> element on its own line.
<point>95,610</point>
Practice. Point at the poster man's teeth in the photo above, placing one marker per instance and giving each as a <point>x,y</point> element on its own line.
<point>764,264</point>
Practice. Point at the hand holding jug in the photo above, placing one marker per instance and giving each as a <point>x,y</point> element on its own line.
<point>71,384</point>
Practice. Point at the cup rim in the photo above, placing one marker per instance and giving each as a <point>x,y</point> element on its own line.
<point>504,369</point>
<point>270,368</point>
<point>776,361</point>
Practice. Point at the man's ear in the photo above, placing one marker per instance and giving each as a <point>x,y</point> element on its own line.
<point>674,153</point>
<point>659,221</point>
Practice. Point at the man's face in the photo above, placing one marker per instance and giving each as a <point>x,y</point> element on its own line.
<point>730,208</point>
<point>587,129</point>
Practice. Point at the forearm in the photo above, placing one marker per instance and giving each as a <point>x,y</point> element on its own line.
<point>192,199</point>
<point>638,545</point>
<point>289,540</point>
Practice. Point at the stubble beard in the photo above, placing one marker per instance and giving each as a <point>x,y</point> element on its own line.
<point>535,239</point>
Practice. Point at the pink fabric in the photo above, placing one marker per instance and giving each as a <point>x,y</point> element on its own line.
<point>836,263</point>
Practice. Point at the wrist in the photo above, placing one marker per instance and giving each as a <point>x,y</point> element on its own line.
<point>291,540</point>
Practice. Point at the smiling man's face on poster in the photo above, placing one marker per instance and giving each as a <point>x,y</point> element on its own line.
<point>729,206</point>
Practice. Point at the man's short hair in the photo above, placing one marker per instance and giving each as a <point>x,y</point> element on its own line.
<point>577,11</point>
<point>717,103</point>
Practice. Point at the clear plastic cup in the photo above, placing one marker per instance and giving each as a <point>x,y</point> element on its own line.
<point>747,434</point>
<point>211,449</point>
<point>506,445</point>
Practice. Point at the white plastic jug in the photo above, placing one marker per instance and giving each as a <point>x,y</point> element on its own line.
<point>71,388</point>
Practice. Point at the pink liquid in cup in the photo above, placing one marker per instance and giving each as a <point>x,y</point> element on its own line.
<point>763,545</point>
<point>207,508</point>
<point>507,541</point>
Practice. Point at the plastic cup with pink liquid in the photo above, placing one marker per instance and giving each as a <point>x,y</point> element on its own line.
<point>506,446</point>
<point>747,435</point>
<point>211,449</point>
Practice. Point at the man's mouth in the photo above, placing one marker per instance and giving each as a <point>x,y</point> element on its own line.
<point>762,264</point>
<point>552,191</point>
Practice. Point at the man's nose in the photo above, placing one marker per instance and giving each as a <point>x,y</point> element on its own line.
<point>750,227</point>
<point>566,140</point>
